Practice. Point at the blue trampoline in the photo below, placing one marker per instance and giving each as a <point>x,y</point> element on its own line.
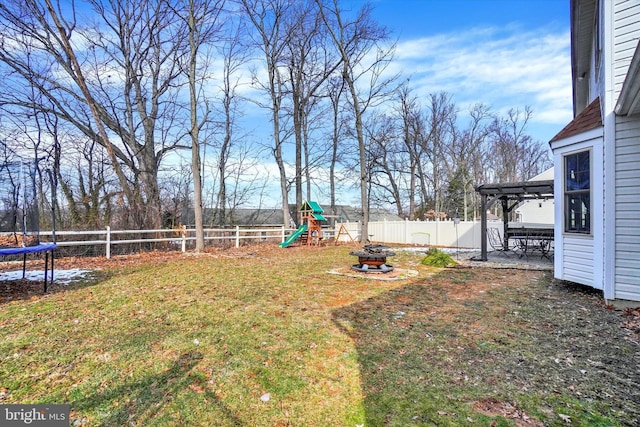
<point>41,247</point>
<point>19,212</point>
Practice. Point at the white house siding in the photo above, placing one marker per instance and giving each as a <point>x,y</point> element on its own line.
<point>578,261</point>
<point>627,231</point>
<point>626,31</point>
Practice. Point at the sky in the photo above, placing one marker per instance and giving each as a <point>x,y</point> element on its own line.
<point>506,54</point>
<point>503,53</point>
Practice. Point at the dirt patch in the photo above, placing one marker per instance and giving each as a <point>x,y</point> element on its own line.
<point>395,274</point>
<point>632,322</point>
<point>563,340</point>
<point>511,344</point>
<point>494,407</point>
<point>20,289</point>
<point>466,292</point>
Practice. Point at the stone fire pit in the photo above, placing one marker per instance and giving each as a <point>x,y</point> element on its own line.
<point>372,259</point>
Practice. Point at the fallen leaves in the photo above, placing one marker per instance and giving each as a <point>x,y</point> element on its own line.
<point>632,322</point>
<point>565,418</point>
<point>494,407</point>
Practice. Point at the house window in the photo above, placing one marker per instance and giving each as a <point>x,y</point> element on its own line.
<point>577,193</point>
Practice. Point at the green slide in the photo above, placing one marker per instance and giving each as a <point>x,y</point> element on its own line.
<point>294,236</point>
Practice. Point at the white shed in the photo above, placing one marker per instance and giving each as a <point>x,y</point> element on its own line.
<point>537,211</point>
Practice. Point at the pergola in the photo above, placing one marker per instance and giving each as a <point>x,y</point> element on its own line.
<point>509,195</point>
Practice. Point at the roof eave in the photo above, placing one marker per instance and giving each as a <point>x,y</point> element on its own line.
<point>583,14</point>
<point>629,100</point>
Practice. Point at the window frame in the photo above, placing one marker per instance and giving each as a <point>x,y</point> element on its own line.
<point>578,224</point>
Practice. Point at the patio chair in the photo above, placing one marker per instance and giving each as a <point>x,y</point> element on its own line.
<point>496,242</point>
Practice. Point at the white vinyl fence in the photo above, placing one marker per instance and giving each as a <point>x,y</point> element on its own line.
<point>465,234</point>
<point>173,238</point>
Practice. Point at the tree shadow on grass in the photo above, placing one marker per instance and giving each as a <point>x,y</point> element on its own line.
<point>145,399</point>
<point>477,346</point>
<point>388,338</point>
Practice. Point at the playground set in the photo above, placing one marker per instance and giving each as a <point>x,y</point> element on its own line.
<point>310,230</point>
<point>19,216</point>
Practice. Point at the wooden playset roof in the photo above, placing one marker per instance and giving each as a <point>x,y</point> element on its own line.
<point>309,205</point>
<point>314,208</point>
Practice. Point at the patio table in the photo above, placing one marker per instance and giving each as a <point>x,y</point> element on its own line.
<point>529,240</point>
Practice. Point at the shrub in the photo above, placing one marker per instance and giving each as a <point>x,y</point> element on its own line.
<point>437,258</point>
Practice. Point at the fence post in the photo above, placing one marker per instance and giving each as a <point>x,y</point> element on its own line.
<point>237,236</point>
<point>108,244</point>
<point>282,240</point>
<point>406,231</point>
<point>184,238</point>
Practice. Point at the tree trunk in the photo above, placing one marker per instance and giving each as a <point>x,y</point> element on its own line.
<point>364,170</point>
<point>196,164</point>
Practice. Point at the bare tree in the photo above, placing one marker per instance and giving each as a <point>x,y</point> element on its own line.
<point>110,93</point>
<point>175,186</point>
<point>234,56</point>
<point>246,181</point>
<point>39,135</point>
<point>466,159</point>
<point>412,132</point>
<point>310,61</point>
<point>388,155</point>
<point>442,125</point>
<point>355,40</point>
<point>87,190</point>
<point>419,147</point>
<point>271,20</point>
<point>124,70</point>
<point>515,155</point>
<point>335,92</point>
<point>203,20</point>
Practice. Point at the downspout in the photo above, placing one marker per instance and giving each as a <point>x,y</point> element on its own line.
<point>609,153</point>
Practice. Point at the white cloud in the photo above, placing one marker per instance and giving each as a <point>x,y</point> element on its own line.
<point>503,68</point>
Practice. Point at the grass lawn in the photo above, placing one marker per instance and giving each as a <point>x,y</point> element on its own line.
<point>265,337</point>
